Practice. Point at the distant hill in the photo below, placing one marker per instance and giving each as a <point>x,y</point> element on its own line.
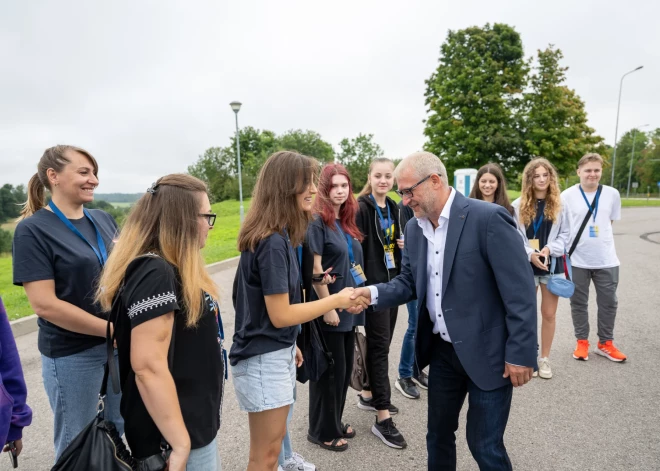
<point>118,197</point>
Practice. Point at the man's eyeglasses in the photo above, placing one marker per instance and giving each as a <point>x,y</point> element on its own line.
<point>409,191</point>
<point>210,218</point>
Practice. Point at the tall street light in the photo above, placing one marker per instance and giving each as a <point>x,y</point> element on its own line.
<point>236,106</point>
<point>632,157</point>
<point>616,129</point>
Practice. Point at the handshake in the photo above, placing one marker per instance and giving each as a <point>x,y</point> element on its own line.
<point>353,300</point>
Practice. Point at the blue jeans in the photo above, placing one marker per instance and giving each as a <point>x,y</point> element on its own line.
<point>407,363</point>
<point>286,451</point>
<point>487,415</point>
<point>72,385</point>
<point>205,458</point>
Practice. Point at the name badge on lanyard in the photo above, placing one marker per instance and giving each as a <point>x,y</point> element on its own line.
<point>534,243</point>
<point>386,226</point>
<point>593,228</point>
<point>356,269</point>
<point>101,253</point>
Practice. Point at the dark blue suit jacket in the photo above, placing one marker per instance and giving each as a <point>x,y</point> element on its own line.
<point>488,294</point>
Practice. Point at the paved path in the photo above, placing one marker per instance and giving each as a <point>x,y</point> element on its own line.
<point>592,415</point>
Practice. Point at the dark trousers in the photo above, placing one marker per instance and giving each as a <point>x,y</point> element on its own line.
<point>486,418</point>
<point>327,397</point>
<point>379,326</point>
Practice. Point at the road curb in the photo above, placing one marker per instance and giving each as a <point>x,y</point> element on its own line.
<point>27,325</point>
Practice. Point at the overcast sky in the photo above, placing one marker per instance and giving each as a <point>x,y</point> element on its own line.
<point>145,86</point>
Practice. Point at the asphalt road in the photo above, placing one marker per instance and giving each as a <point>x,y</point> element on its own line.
<point>592,415</point>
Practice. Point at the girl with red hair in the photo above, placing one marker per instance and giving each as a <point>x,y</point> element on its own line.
<point>334,239</point>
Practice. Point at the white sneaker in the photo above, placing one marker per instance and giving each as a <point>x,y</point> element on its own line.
<point>297,463</point>
<point>545,371</point>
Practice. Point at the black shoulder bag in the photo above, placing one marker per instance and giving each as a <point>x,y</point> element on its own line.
<point>576,240</point>
<point>98,446</point>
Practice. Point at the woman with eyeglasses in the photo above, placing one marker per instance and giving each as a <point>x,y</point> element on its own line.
<point>59,251</point>
<point>491,186</point>
<point>270,301</point>
<point>379,220</point>
<point>167,324</point>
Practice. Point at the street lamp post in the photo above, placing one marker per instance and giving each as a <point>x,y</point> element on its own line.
<point>616,129</point>
<point>632,157</point>
<point>236,106</point>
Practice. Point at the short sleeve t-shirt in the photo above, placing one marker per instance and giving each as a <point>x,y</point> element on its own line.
<point>542,235</point>
<point>152,289</point>
<point>332,246</point>
<point>45,248</point>
<point>271,269</point>
<point>596,246</point>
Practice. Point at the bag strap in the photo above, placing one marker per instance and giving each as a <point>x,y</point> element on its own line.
<point>584,222</point>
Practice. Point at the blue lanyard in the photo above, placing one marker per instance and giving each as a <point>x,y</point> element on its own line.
<point>382,221</point>
<point>537,224</point>
<point>221,334</point>
<point>299,250</point>
<point>349,242</point>
<point>101,253</point>
<point>596,198</point>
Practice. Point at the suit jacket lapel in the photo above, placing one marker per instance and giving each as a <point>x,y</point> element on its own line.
<point>457,215</point>
<point>422,262</point>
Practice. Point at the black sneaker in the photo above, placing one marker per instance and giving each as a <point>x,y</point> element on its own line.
<point>422,380</point>
<point>407,388</point>
<point>388,433</point>
<point>365,404</point>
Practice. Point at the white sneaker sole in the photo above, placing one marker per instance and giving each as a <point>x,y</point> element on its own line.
<point>376,432</point>
<point>598,351</point>
<point>419,384</point>
<point>545,376</point>
<point>580,358</point>
<point>363,407</point>
<point>405,394</point>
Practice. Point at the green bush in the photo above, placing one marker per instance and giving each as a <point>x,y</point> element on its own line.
<point>5,241</point>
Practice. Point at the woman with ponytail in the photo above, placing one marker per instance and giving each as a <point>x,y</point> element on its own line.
<point>59,251</point>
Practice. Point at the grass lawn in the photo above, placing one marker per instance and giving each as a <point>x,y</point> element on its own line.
<point>13,297</point>
<point>122,205</point>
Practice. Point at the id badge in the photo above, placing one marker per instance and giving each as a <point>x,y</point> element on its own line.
<point>389,259</point>
<point>593,231</point>
<point>358,274</point>
<point>534,243</point>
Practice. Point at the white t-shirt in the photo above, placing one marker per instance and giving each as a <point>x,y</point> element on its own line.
<point>596,246</point>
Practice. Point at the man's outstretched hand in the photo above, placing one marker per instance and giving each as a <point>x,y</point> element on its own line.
<point>364,293</point>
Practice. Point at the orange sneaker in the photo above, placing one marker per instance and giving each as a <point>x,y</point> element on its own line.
<point>582,350</point>
<point>608,350</point>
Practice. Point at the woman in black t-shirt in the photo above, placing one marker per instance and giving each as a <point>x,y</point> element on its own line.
<point>544,226</point>
<point>270,300</point>
<point>329,236</point>
<point>165,307</point>
<point>58,252</point>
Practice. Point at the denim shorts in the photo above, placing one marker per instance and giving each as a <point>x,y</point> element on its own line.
<point>266,381</point>
<point>545,278</point>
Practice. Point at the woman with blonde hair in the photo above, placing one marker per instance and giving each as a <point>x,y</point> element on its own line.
<point>270,300</point>
<point>59,250</point>
<point>167,325</point>
<point>544,227</point>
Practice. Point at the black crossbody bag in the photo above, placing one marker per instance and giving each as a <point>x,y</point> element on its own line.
<point>585,221</point>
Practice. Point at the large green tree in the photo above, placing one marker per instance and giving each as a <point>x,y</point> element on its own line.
<point>356,155</point>
<point>555,121</point>
<point>647,166</point>
<point>624,153</point>
<point>474,98</point>
<point>307,143</point>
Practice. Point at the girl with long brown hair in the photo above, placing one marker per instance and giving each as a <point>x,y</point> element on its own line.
<point>58,252</point>
<point>334,239</point>
<point>164,306</point>
<point>491,186</point>
<point>270,300</point>
<point>544,227</point>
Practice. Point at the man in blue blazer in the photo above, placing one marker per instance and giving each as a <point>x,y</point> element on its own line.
<point>465,264</point>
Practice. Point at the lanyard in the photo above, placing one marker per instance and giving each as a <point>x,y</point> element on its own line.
<point>221,333</point>
<point>299,253</point>
<point>537,224</point>
<point>596,198</point>
<point>349,242</point>
<point>101,253</point>
<point>382,221</point>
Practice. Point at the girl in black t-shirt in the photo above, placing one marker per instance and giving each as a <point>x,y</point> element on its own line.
<point>329,236</point>
<point>544,226</point>
<point>165,306</point>
<point>491,186</point>
<point>59,250</point>
<point>379,220</point>
<point>269,300</point>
